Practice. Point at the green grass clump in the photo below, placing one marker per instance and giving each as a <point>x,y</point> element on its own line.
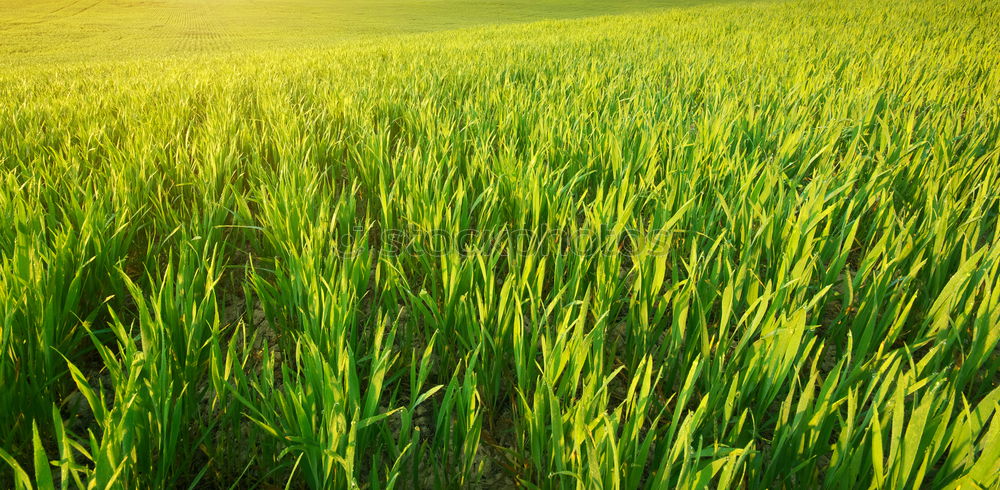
<point>752,245</point>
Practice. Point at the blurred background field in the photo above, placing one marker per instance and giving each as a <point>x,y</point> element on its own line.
<point>46,31</point>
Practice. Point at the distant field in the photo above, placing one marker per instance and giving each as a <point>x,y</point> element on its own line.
<point>303,245</point>
<point>73,30</point>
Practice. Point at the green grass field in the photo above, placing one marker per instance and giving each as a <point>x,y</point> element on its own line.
<point>59,31</point>
<point>291,243</point>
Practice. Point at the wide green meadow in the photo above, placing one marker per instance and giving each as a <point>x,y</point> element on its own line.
<point>48,31</point>
<point>460,244</point>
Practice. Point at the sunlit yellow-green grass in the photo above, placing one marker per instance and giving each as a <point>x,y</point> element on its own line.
<point>48,31</point>
<point>753,245</point>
